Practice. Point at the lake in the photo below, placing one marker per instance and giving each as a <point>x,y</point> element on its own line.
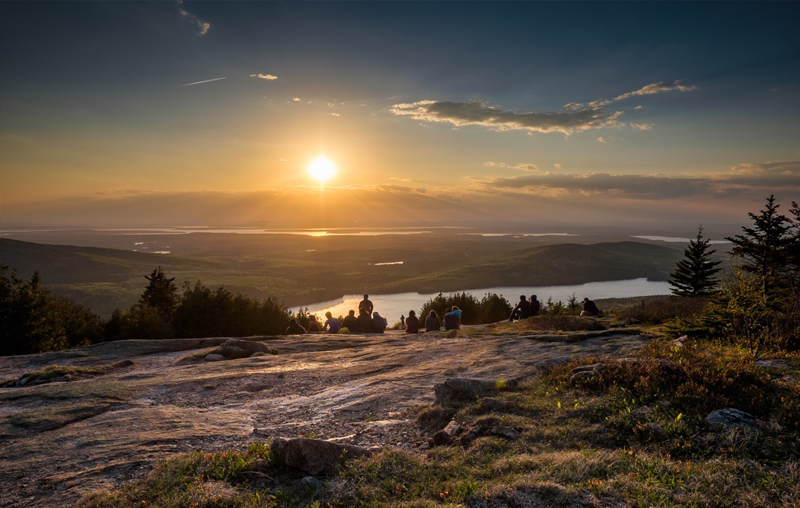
<point>393,305</point>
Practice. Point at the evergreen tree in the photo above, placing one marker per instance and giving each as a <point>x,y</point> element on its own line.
<point>160,293</point>
<point>765,249</point>
<point>694,275</point>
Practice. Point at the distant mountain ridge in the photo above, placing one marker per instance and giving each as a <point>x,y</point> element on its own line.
<point>104,279</point>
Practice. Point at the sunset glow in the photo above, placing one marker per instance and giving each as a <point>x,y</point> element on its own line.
<point>321,169</point>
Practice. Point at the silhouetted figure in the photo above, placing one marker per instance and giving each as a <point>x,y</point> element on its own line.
<point>403,321</point>
<point>365,304</point>
<point>332,324</point>
<point>457,312</point>
<point>295,328</point>
<point>452,320</point>
<point>351,322</point>
<point>412,323</point>
<point>522,310</point>
<point>432,323</point>
<point>364,324</point>
<point>589,308</point>
<point>378,323</point>
<point>536,307</point>
<point>313,325</point>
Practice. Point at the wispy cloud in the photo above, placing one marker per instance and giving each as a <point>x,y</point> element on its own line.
<point>201,26</point>
<point>268,77</point>
<point>744,179</point>
<point>481,113</point>
<point>602,140</point>
<point>641,126</point>
<point>520,166</point>
<point>201,82</point>
<point>653,88</point>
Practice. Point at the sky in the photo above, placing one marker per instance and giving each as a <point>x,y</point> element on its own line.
<point>208,113</point>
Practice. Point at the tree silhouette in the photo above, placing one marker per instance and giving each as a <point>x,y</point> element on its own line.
<point>694,275</point>
<point>766,248</point>
<point>160,293</point>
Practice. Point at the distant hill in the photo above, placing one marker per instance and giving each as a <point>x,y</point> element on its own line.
<point>104,279</point>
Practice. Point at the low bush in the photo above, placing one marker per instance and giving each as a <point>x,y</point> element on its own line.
<point>658,310</point>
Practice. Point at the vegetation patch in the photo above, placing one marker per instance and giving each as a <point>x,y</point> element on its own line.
<point>63,373</point>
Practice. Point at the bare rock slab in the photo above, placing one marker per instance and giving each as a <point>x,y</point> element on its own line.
<point>314,456</point>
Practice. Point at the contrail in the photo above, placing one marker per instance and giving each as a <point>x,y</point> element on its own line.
<point>200,82</point>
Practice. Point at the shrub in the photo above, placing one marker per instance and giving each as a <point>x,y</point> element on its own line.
<point>490,309</point>
<point>658,310</point>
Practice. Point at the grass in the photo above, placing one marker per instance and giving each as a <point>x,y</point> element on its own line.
<point>634,433</point>
<point>64,373</point>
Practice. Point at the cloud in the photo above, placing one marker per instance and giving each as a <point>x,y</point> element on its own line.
<point>295,99</point>
<point>201,26</point>
<point>268,77</point>
<point>480,113</point>
<point>519,166</point>
<point>637,108</point>
<point>749,179</point>
<point>601,140</point>
<point>641,126</point>
<point>653,88</point>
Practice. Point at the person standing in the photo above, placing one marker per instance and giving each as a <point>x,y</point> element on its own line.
<point>366,305</point>
<point>403,321</point>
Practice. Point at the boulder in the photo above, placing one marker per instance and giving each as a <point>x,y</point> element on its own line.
<point>232,352</point>
<point>468,389</point>
<point>489,428</point>
<point>248,346</point>
<point>314,456</point>
<point>680,340</point>
<point>730,417</point>
<point>257,354</point>
<point>435,418</point>
<point>214,357</point>
<point>489,404</point>
<point>593,367</point>
<point>547,366</point>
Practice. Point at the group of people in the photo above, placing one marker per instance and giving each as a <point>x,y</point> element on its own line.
<point>527,308</point>
<point>367,321</point>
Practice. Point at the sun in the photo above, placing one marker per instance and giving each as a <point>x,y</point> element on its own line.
<point>321,169</point>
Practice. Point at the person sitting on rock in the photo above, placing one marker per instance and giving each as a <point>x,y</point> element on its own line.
<point>522,310</point>
<point>313,326</point>
<point>432,323</point>
<point>378,323</point>
<point>452,321</point>
<point>366,305</point>
<point>412,323</point>
<point>536,306</point>
<point>295,328</point>
<point>351,322</point>
<point>331,324</point>
<point>364,324</point>
<point>589,308</point>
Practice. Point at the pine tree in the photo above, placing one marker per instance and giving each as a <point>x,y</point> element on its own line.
<point>765,248</point>
<point>160,293</point>
<point>694,275</point>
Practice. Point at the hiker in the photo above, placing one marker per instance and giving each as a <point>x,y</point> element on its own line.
<point>535,306</point>
<point>364,324</point>
<point>351,322</point>
<point>403,321</point>
<point>452,321</point>
<point>589,308</point>
<point>432,323</point>
<point>457,312</point>
<point>295,328</point>
<point>332,324</point>
<point>365,304</point>
<point>313,326</point>
<point>378,323</point>
<point>522,310</point>
<point>412,323</point>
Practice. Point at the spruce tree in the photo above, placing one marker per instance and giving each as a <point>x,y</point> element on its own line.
<point>766,248</point>
<point>694,275</point>
<point>160,293</point>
